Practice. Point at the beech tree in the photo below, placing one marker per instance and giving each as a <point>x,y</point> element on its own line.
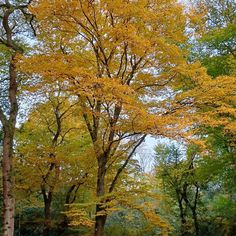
<point>113,55</point>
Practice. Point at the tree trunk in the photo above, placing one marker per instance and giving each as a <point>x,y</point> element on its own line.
<point>194,211</point>
<point>63,226</point>
<point>182,217</point>
<point>8,197</point>
<point>181,196</point>
<point>100,220</point>
<point>9,130</point>
<point>99,223</point>
<point>47,215</point>
<point>196,225</point>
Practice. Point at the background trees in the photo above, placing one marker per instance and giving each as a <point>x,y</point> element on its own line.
<point>52,159</point>
<point>179,180</point>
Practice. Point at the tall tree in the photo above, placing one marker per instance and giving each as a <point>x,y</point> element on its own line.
<point>12,15</point>
<point>112,54</point>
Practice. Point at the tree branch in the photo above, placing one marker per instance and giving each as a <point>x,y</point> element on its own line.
<point>112,186</point>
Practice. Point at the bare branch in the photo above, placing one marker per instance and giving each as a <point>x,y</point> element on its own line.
<point>112,186</point>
